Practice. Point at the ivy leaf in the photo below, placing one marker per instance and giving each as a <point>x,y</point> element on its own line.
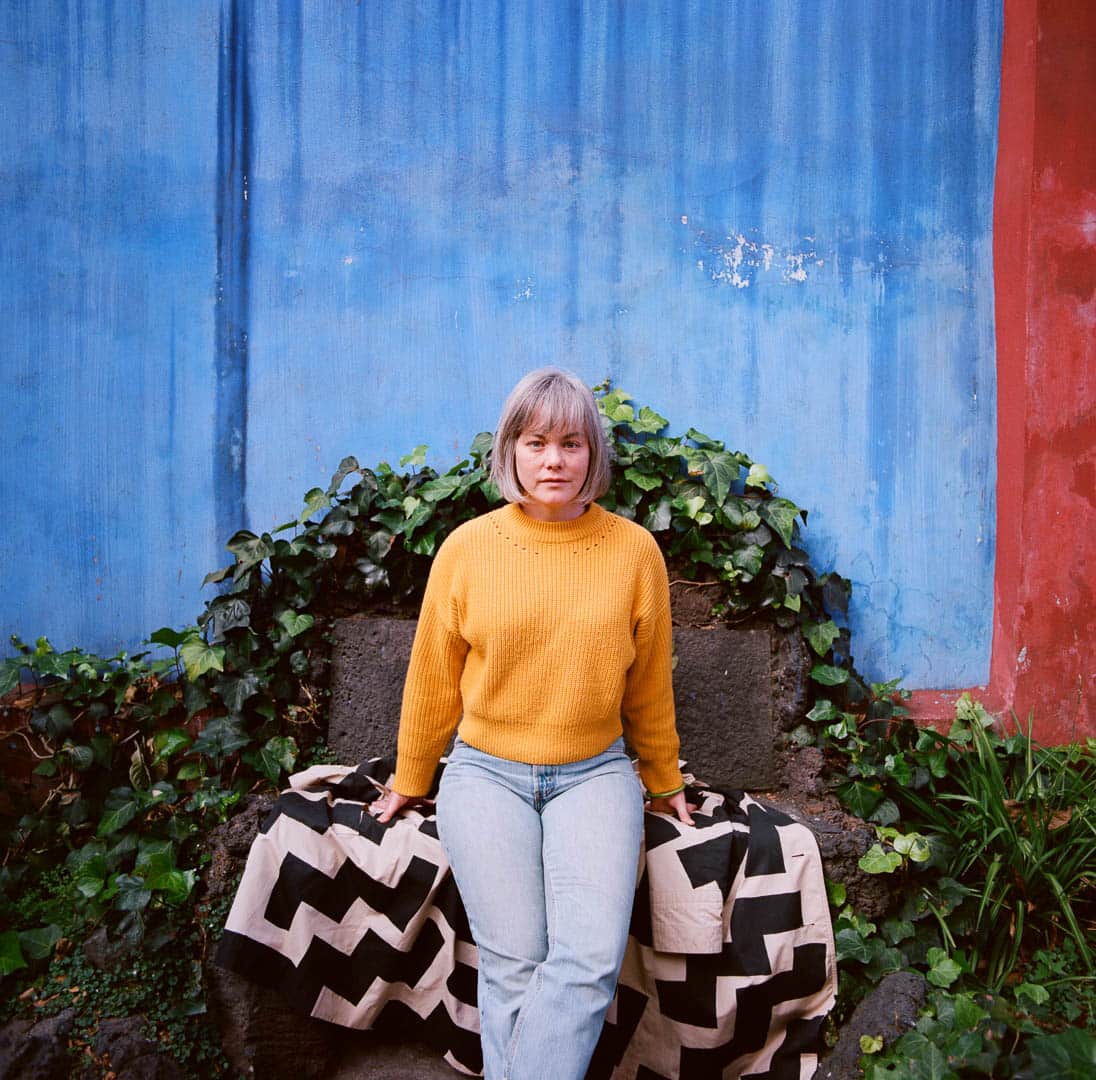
<point>481,445</point>
<point>781,515</point>
<point>443,487</point>
<point>277,755</point>
<point>851,946</point>
<point>720,470</point>
<point>199,657</point>
<point>748,559</point>
<point>55,723</point>
<point>648,422</point>
<point>943,971</point>
<point>758,476</point>
<point>646,481</point>
<point>235,690</point>
<point>416,458</point>
<point>133,894</point>
<point>190,770</point>
<point>82,757</point>
<point>11,671</point>
<point>860,797</point>
<point>195,697</point>
<point>214,577</point>
<point>886,813</point>
<point>176,885</point>
<point>836,893</point>
<point>659,519</point>
<point>877,861</point>
<point>90,876</point>
<point>229,613</point>
<point>615,406</point>
<point>219,738</point>
<point>691,507</point>
<point>167,742</point>
<point>11,955</point>
<point>154,856</point>
<point>295,624</point>
<point>250,550</point>
<point>820,636</point>
<point>346,467</point>
<point>828,675</point>
<point>823,712</point>
<point>1068,1055</point>
<point>117,816</point>
<point>168,637</point>
<point>37,944</point>
<point>871,1044</point>
<point>702,441</point>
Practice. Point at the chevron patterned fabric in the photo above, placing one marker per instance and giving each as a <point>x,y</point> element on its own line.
<point>729,971</point>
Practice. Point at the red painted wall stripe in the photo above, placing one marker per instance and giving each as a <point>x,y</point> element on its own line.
<point>1044,634</point>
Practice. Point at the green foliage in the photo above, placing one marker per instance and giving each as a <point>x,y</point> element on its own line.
<point>996,854</point>
<point>717,517</point>
<point>129,760</point>
<point>1014,823</point>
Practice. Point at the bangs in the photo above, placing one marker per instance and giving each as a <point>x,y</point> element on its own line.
<point>553,407</point>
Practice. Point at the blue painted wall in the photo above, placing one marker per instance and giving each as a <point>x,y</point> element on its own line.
<point>245,239</point>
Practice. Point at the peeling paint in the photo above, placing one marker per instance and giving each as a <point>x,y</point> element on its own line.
<point>740,263</point>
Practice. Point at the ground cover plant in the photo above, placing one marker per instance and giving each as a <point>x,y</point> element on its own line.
<point>115,769</point>
<point>994,838</point>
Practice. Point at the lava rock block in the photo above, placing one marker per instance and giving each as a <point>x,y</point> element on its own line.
<point>723,693</point>
<point>368,666</point>
<point>36,1051</point>
<point>890,1010</point>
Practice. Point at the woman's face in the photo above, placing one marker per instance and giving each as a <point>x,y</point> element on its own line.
<point>551,467</point>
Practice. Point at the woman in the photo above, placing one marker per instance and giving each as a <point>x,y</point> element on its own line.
<point>545,631</point>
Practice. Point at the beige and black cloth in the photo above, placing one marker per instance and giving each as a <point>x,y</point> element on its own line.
<point>729,970</point>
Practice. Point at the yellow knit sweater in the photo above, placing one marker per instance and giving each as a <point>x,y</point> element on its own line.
<point>546,640</point>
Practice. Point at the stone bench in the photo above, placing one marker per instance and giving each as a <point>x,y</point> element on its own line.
<point>738,692</point>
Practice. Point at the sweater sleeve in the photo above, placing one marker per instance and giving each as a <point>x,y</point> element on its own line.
<point>648,705</point>
<point>431,693</point>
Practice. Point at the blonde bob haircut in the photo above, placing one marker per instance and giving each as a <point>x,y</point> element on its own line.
<point>552,400</point>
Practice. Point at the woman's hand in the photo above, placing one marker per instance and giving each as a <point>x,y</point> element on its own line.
<point>674,805</point>
<point>391,803</point>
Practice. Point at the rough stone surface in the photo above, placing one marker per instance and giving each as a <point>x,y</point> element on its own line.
<point>365,1054</point>
<point>262,1035</point>
<point>131,1056</point>
<point>368,665</point>
<point>841,838</point>
<point>790,678</point>
<point>104,953</point>
<point>36,1051</point>
<point>890,1010</point>
<point>723,696</point>
<point>229,844</point>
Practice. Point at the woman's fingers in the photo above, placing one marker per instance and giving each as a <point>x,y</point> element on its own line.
<point>675,806</point>
<point>392,802</point>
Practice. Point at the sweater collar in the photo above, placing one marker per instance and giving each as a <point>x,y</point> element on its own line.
<point>520,525</point>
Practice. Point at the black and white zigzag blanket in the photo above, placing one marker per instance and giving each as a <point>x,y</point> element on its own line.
<point>729,971</point>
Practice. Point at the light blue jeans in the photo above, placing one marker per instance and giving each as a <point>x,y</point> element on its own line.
<point>545,858</point>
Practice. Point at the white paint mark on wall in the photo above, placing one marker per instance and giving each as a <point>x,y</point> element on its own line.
<point>740,263</point>
<point>524,289</point>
